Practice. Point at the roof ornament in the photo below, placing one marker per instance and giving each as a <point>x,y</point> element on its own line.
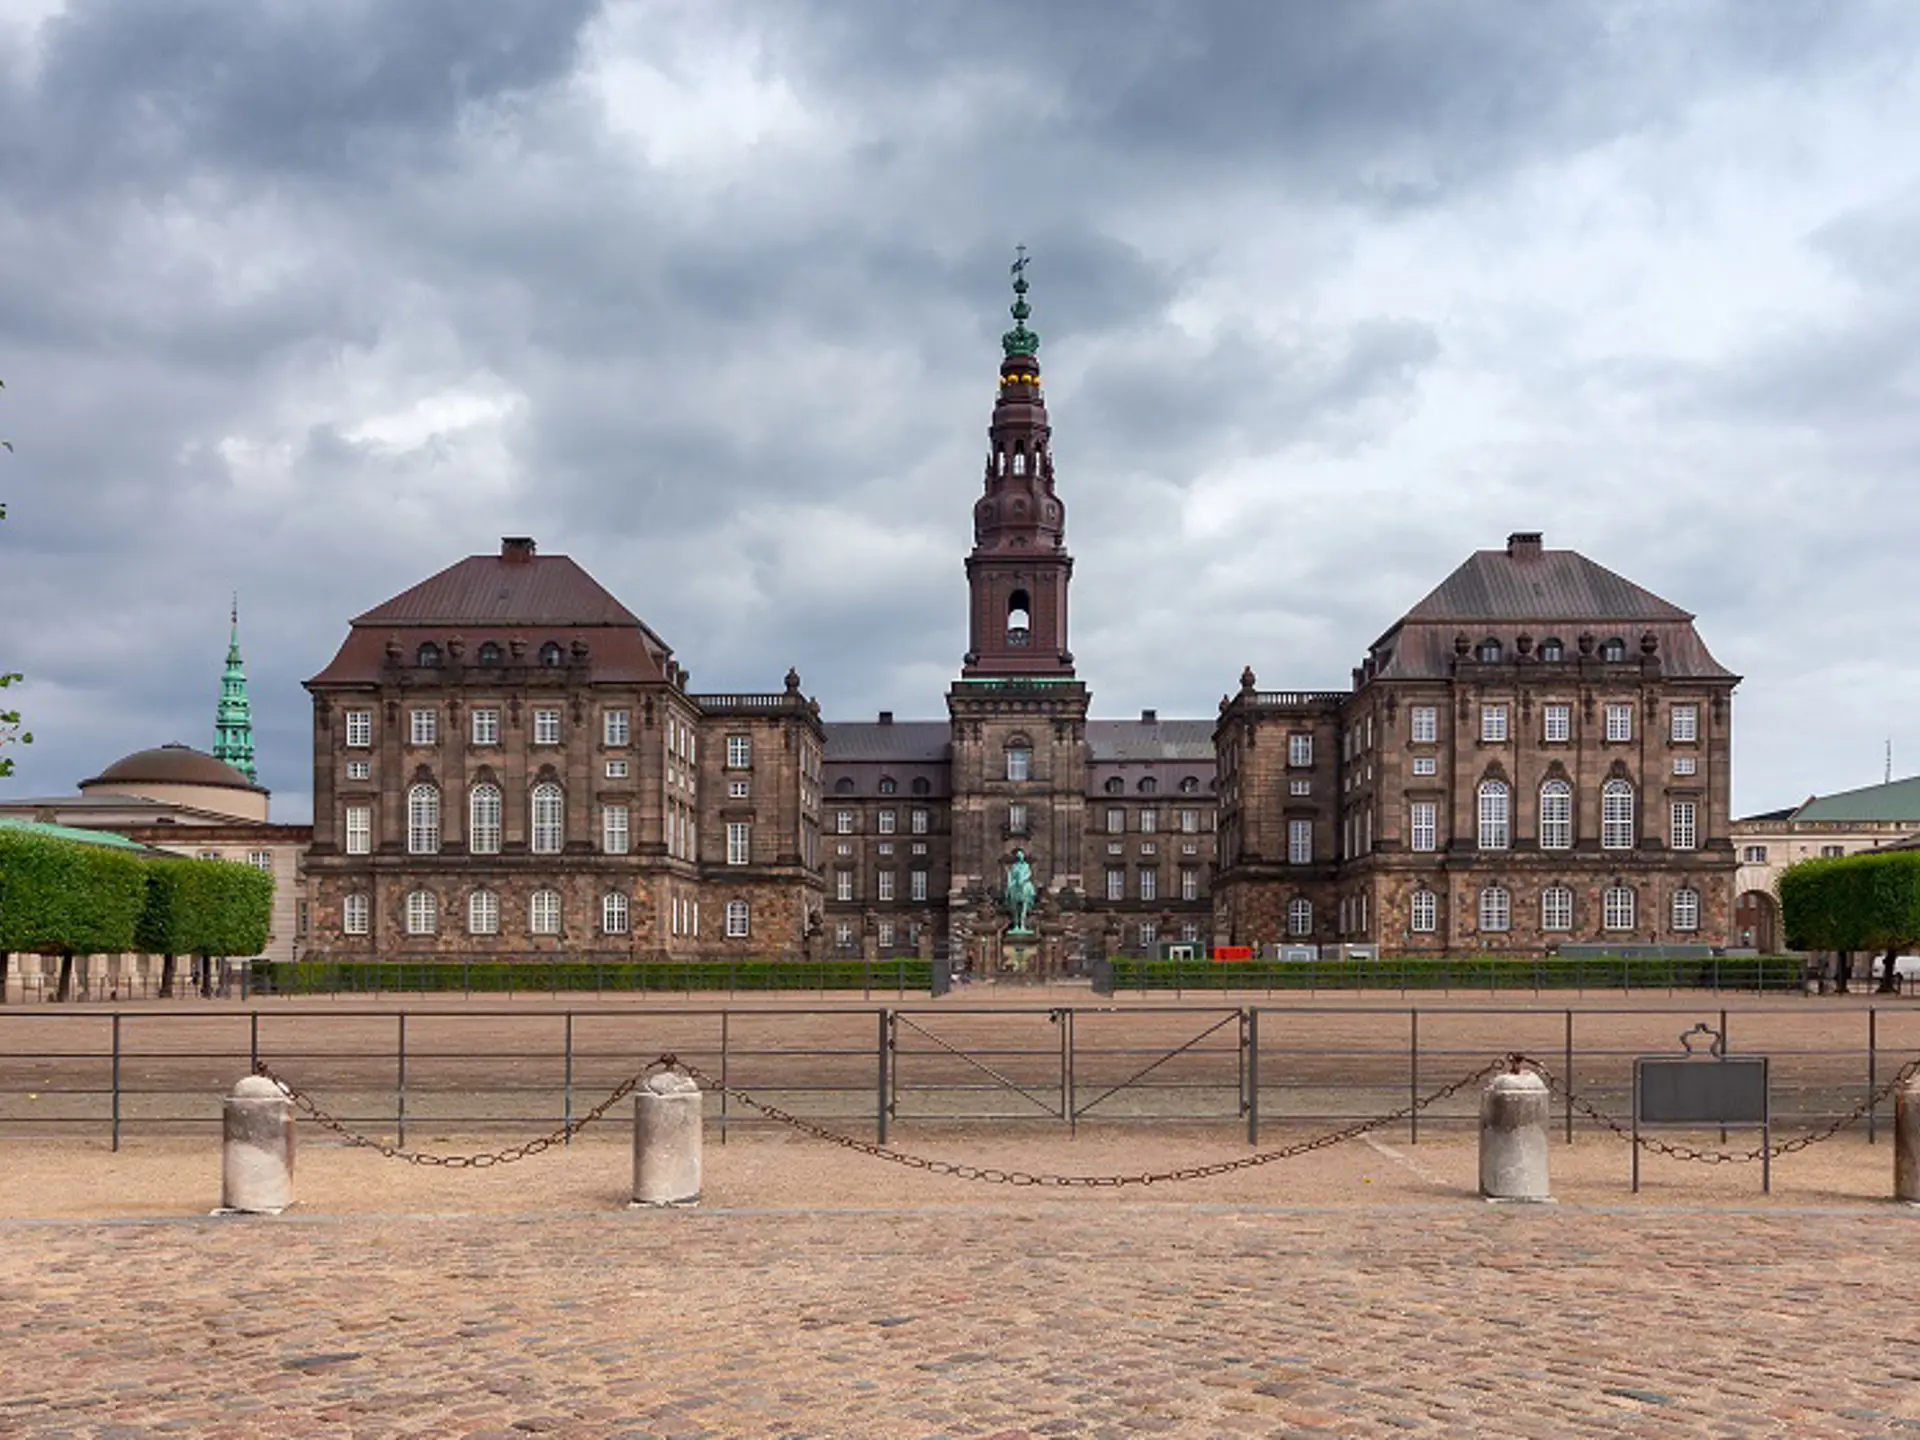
<point>1020,340</point>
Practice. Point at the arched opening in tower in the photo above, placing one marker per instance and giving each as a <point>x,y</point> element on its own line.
<point>1019,620</point>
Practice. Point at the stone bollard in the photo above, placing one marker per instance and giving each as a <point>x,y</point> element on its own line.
<point>1513,1137</point>
<point>1906,1142</point>
<point>666,1141</point>
<point>256,1156</point>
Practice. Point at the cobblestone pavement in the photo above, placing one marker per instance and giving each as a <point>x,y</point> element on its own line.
<point>1042,1319</point>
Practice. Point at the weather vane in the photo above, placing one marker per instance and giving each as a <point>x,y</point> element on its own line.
<point>1020,340</point>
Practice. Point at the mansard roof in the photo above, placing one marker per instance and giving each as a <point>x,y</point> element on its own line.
<point>1135,741</point>
<point>901,741</point>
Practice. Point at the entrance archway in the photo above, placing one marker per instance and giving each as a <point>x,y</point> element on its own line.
<point>1756,922</point>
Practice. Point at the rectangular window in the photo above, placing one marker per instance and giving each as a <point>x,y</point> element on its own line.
<point>917,822</point>
<point>1423,912</point>
<point>739,842</point>
<point>737,918</point>
<point>616,727</point>
<point>1684,835</point>
<point>1684,764</point>
<point>616,769</point>
<point>1190,932</point>
<point>1299,751</point>
<point>1685,725</point>
<point>546,725</point>
<point>1016,819</point>
<point>916,884</point>
<point>1832,852</point>
<point>1423,825</point>
<point>738,789</point>
<point>843,822</point>
<point>739,752</point>
<point>260,859</point>
<point>1018,763</point>
<point>885,847</point>
<point>1149,935</point>
<point>1686,909</point>
<point>1149,884</point>
<point>1424,726</point>
<point>359,729</point>
<point>1493,723</point>
<point>613,914</point>
<point>843,935</point>
<point>1616,911</point>
<point>1148,847</point>
<point>1149,820</point>
<point>1753,855</point>
<point>1116,821</point>
<point>1189,882</point>
<point>919,847</point>
<point>1116,883</point>
<point>887,822</point>
<point>843,884</point>
<point>613,829</point>
<point>543,913</point>
<point>1556,908</point>
<point>1426,765</point>
<point>1556,723</point>
<point>1495,909</point>
<point>356,915</point>
<point>359,829</point>
<point>1300,787</point>
<point>486,727</point>
<point>1190,822</point>
<point>1299,842</point>
<point>883,934</point>
<point>425,727</point>
<point>885,879</point>
<point>359,769</point>
<point>1619,723</point>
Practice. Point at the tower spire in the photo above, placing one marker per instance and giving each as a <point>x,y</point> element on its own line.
<point>1020,340</point>
<point>233,717</point>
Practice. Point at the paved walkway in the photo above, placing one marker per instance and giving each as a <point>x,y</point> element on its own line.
<point>1025,1320</point>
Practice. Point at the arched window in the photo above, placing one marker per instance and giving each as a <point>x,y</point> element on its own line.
<point>1115,785</point>
<point>1614,650</point>
<point>1019,761</point>
<point>489,653</point>
<point>1019,462</point>
<point>1551,648</point>
<point>1496,815</point>
<point>423,820</point>
<point>549,818</point>
<point>1616,911</point>
<point>423,913</point>
<point>550,654</point>
<point>1423,912</point>
<point>1616,815</point>
<point>483,913</point>
<point>483,820</point>
<point>543,912</point>
<point>888,785</point>
<point>1003,462</point>
<point>1496,909</point>
<point>1556,815</point>
<point>1489,651</point>
<point>1686,909</point>
<point>1148,785</point>
<point>1300,917</point>
<point>843,786</point>
<point>1189,785</point>
<point>356,914</point>
<point>613,914</point>
<point>1019,618</point>
<point>920,786</point>
<point>1556,908</point>
<point>428,656</point>
<point>738,917</point>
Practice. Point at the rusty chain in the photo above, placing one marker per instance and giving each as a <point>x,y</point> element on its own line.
<point>480,1161</point>
<point>1678,1151</point>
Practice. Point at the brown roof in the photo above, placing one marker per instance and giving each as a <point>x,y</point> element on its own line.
<point>1540,586</point>
<point>170,765</point>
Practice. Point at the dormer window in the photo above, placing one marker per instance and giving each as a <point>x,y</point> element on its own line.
<point>1019,618</point>
<point>920,786</point>
<point>428,656</point>
<point>550,655</point>
<point>1552,650</point>
<point>489,653</point>
<point>1614,650</point>
<point>1148,785</point>
<point>1489,652</point>
<point>888,785</point>
<point>1189,785</point>
<point>1115,785</point>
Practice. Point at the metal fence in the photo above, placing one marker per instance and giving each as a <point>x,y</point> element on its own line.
<point>427,1073</point>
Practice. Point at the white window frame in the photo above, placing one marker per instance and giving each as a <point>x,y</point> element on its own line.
<point>1299,842</point>
<point>1753,855</point>
<point>616,769</point>
<point>1423,912</point>
<point>843,822</point>
<point>1686,909</point>
<point>843,885</point>
<point>1017,818</point>
<point>1019,762</point>
<point>423,820</point>
<point>1300,751</point>
<point>359,729</point>
<point>739,918</point>
<point>1116,883</point>
<point>616,728</point>
<point>883,886</point>
<point>423,726</point>
<point>356,913</point>
<point>888,822</point>
<point>1493,724</point>
<point>1423,825</point>
<point>1556,909</point>
<point>916,885</point>
<point>1556,815</point>
<point>483,913</point>
<point>358,829</point>
<point>1616,816</point>
<point>546,725</point>
<point>359,769</point>
<point>1683,723</point>
<point>739,752</point>
<point>423,912</point>
<point>1423,724</point>
<point>548,805</point>
<point>1493,813</point>
<point>1299,917</point>
<point>1496,910</point>
<point>484,810</point>
<point>1189,882</point>
<point>485,726</point>
<point>739,842</point>
<point>1556,723</point>
<point>1426,765</point>
<point>1617,907</point>
<point>615,913</point>
<point>1619,723</point>
<point>1684,830</point>
<point>616,836</point>
<point>543,912</point>
<point>1149,883</point>
<point>1116,820</point>
<point>917,820</point>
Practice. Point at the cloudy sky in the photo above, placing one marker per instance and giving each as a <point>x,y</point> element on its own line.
<point>309,298</point>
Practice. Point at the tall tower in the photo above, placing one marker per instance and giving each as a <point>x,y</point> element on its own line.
<point>233,718</point>
<point>1017,711</point>
<point>1018,570</point>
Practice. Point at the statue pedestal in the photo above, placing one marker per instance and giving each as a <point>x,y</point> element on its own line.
<point>1020,956</point>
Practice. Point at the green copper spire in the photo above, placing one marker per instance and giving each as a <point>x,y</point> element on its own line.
<point>233,719</point>
<point>1020,340</point>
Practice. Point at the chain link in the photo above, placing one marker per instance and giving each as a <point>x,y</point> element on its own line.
<point>480,1161</point>
<point>1679,1151</point>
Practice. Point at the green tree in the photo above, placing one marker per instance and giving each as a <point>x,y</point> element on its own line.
<point>1854,902</point>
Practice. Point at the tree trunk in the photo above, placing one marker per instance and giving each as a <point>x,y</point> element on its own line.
<point>1842,966</point>
<point>1890,977</point>
<point>65,992</point>
<point>166,977</point>
<point>205,967</point>
<point>6,964</point>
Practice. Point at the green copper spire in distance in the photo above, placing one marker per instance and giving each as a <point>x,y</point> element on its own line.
<point>233,719</point>
<point>1020,340</point>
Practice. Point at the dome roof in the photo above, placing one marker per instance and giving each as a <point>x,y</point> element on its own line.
<point>170,765</point>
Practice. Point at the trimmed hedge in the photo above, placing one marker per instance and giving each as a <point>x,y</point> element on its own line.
<point>1478,972</point>
<point>205,907</point>
<point>336,977</point>
<point>67,897</point>
<point>1852,902</point>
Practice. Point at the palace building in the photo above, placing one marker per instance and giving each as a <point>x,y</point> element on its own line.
<point>508,761</point>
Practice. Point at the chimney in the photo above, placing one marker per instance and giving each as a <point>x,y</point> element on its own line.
<point>1149,717</point>
<point>516,549</point>
<point>1524,545</point>
<point>886,717</point>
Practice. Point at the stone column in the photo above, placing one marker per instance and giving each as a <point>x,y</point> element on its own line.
<point>666,1142</point>
<point>1906,1142</point>
<point>1513,1137</point>
<point>256,1157</point>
